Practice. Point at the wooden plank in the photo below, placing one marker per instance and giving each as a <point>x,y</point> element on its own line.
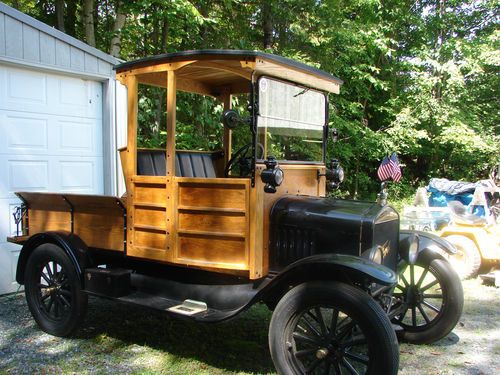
<point>171,113</point>
<point>44,221</point>
<point>227,142</point>
<point>212,209</point>
<point>212,195</point>
<point>100,229</point>
<point>212,221</point>
<point>215,252</point>
<point>244,73</point>
<point>45,201</point>
<point>150,194</point>
<point>211,233</point>
<point>165,67</point>
<point>150,238</point>
<point>259,254</point>
<point>145,216</point>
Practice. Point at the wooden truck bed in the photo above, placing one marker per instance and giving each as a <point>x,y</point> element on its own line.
<point>100,221</point>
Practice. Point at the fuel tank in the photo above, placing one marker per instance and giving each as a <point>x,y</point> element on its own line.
<point>302,226</point>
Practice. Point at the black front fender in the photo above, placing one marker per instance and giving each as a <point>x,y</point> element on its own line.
<point>430,246</point>
<point>338,267</point>
<point>71,244</point>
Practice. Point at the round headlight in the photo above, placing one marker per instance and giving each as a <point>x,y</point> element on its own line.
<point>377,255</point>
<point>413,248</point>
<point>278,176</point>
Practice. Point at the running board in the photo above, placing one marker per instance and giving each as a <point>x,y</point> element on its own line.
<point>199,302</point>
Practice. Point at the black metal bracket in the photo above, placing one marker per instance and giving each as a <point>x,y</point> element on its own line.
<point>72,212</point>
<point>124,211</point>
<point>19,214</point>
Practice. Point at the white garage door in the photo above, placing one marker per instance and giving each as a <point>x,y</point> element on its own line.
<point>50,140</point>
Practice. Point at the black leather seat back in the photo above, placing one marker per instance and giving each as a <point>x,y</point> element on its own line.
<point>187,163</point>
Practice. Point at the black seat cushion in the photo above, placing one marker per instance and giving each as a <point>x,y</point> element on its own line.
<point>187,163</point>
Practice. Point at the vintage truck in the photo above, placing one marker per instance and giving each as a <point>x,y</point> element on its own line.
<point>205,234</point>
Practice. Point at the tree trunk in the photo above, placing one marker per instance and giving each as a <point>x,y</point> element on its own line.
<point>71,18</point>
<point>267,25</point>
<point>164,36</point>
<point>88,21</point>
<point>120,19</point>
<point>60,15</point>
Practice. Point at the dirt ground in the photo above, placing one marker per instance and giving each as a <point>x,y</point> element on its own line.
<point>126,339</point>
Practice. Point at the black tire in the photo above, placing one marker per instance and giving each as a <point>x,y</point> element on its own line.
<point>53,291</point>
<point>325,327</point>
<point>467,260</point>
<point>431,301</point>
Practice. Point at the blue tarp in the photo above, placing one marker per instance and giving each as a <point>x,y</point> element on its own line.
<point>443,191</point>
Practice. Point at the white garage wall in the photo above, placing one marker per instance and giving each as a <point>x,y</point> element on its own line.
<point>57,120</point>
<point>51,139</point>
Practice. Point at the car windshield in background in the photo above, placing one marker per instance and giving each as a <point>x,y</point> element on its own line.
<point>291,121</point>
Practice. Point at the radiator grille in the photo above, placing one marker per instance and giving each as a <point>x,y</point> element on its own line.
<point>291,244</point>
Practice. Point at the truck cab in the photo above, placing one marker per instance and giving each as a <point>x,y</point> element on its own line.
<point>205,234</point>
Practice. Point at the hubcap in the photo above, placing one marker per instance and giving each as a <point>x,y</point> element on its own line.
<point>326,338</point>
<point>420,297</point>
<point>53,290</point>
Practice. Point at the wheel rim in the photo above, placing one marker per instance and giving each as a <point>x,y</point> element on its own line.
<point>325,340</point>
<point>53,291</point>
<point>420,296</point>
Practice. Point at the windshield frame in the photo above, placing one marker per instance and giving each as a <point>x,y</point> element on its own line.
<point>257,115</point>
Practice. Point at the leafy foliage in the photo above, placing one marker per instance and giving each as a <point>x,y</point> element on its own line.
<point>421,78</point>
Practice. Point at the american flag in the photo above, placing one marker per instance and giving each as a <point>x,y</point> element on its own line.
<point>396,169</point>
<point>389,168</point>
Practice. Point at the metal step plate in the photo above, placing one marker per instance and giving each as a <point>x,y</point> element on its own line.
<point>189,307</point>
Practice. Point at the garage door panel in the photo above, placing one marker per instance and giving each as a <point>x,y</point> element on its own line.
<point>78,136</point>
<point>81,176</point>
<point>50,173</point>
<point>42,134</point>
<point>24,133</point>
<point>37,92</point>
<point>28,175</point>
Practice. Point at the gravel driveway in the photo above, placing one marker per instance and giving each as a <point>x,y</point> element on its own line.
<point>126,339</point>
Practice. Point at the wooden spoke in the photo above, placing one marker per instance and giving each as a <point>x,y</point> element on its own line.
<point>313,365</point>
<point>414,316</point>
<point>424,314</point>
<point>422,277</point>
<point>431,306</point>
<point>305,352</point>
<point>358,358</point>
<point>349,367</point>
<point>440,296</point>
<point>430,285</point>
<point>305,338</point>
<point>321,321</point>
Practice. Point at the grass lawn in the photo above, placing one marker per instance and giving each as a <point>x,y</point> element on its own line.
<point>127,339</point>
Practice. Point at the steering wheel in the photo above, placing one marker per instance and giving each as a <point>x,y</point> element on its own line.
<point>242,158</point>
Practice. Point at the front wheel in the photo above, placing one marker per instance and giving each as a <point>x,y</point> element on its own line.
<point>331,328</point>
<point>429,298</point>
<point>53,290</point>
<point>467,260</point>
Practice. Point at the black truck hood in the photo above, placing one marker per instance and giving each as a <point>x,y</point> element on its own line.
<point>303,226</point>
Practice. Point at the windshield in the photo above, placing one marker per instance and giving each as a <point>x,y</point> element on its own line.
<point>291,121</point>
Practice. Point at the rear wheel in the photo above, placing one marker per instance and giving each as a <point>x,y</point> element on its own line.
<point>430,298</point>
<point>53,291</point>
<point>467,260</point>
<point>331,328</point>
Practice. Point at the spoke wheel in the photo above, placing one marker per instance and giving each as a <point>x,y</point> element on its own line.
<point>331,329</point>
<point>53,291</point>
<point>430,299</point>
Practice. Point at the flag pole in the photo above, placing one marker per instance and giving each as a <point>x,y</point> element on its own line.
<point>382,196</point>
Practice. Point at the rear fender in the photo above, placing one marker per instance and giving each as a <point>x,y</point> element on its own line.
<point>331,267</point>
<point>71,244</point>
<point>430,246</point>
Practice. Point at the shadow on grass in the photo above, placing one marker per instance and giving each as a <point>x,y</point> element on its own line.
<point>237,345</point>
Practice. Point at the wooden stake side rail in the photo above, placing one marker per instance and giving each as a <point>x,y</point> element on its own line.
<point>99,221</point>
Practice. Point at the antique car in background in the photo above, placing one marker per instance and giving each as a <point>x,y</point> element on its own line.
<point>205,234</point>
